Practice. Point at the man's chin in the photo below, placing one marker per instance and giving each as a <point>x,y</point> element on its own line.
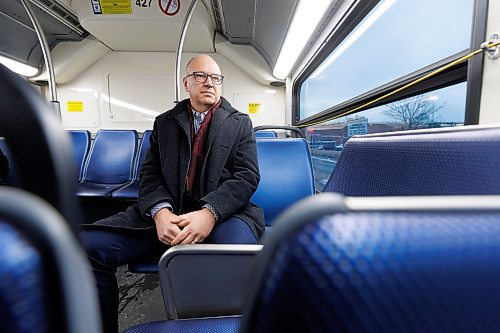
<point>208,101</point>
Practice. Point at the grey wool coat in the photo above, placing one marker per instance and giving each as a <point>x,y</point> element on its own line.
<point>228,179</point>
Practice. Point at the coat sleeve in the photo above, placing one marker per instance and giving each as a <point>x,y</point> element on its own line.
<point>152,188</point>
<point>235,192</point>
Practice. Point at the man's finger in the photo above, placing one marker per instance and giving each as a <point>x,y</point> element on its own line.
<point>174,231</point>
<point>180,237</point>
<point>183,223</point>
<point>165,240</point>
<point>189,239</point>
<point>178,219</point>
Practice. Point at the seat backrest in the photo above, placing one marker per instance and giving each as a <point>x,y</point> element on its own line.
<point>81,145</point>
<point>285,175</point>
<point>391,264</point>
<point>226,269</point>
<point>266,134</point>
<point>40,150</point>
<point>142,153</point>
<point>111,158</point>
<point>444,162</point>
<point>26,264</point>
<point>45,283</point>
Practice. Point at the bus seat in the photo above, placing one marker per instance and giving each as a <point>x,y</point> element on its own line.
<point>266,135</point>
<point>286,175</point>
<point>211,304</point>
<point>268,131</point>
<point>185,295</point>
<point>110,163</point>
<point>27,264</point>
<point>131,191</point>
<point>45,282</point>
<point>452,161</point>
<point>11,179</point>
<point>81,145</point>
<point>285,178</point>
<point>384,264</point>
<point>56,293</point>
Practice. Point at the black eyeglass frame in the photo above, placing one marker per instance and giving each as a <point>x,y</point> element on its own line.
<point>199,75</point>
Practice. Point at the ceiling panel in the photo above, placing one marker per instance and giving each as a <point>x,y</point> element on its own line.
<point>239,19</point>
<point>14,21</point>
<point>260,23</point>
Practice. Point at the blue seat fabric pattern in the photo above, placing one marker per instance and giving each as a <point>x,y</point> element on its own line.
<point>81,145</point>
<point>22,309</point>
<point>110,163</point>
<point>448,163</point>
<point>385,272</point>
<point>286,175</point>
<point>205,325</point>
<point>131,191</point>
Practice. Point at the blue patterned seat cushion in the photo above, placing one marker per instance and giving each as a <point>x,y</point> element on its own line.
<point>205,325</point>
<point>450,163</point>
<point>22,307</point>
<point>385,272</point>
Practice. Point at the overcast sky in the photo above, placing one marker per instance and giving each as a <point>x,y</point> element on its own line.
<point>409,35</point>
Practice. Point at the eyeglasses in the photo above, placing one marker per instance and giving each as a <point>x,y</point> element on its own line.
<point>202,77</point>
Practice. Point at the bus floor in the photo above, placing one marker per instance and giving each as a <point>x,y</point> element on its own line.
<point>140,299</point>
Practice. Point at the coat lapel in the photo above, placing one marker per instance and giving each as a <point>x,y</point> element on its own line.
<point>183,119</point>
<point>218,118</point>
<point>217,125</point>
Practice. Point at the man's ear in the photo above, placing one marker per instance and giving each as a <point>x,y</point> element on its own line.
<point>185,83</point>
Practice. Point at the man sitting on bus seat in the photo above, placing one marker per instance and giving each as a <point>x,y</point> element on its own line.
<point>195,186</point>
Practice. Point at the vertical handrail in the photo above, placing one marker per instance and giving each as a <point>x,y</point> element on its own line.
<point>46,55</point>
<point>178,52</point>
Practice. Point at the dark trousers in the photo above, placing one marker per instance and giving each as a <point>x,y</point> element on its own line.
<point>108,250</point>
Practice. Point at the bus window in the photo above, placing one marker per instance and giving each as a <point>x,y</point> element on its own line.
<point>440,108</point>
<point>396,38</point>
<point>392,44</point>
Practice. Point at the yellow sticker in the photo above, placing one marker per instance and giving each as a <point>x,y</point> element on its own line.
<point>116,6</point>
<point>253,108</point>
<point>75,106</point>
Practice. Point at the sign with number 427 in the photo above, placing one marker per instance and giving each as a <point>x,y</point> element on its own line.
<point>143,3</point>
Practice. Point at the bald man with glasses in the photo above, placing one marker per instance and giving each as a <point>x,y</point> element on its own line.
<point>196,182</point>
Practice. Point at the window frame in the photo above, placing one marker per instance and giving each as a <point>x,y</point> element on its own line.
<point>470,71</point>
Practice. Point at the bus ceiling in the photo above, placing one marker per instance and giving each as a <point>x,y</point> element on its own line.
<point>255,28</point>
<point>249,33</point>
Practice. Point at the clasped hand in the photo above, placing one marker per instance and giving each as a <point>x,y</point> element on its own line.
<point>188,228</point>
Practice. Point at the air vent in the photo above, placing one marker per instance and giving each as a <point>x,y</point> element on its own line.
<point>73,20</point>
<point>219,17</point>
<point>62,14</point>
<point>277,84</point>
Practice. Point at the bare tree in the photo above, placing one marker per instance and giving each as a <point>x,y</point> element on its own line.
<point>413,112</point>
